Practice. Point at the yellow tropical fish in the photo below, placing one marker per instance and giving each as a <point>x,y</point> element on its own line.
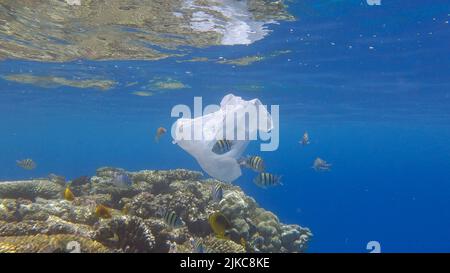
<point>219,224</point>
<point>68,195</point>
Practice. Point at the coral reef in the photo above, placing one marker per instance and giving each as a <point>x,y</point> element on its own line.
<point>129,234</point>
<point>216,245</point>
<point>35,211</point>
<point>49,244</point>
<point>30,189</point>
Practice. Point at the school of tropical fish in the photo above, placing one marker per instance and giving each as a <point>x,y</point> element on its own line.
<point>256,163</point>
<point>218,222</point>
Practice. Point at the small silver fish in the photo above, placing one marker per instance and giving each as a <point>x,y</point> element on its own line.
<point>255,163</point>
<point>321,165</point>
<point>27,164</point>
<point>217,193</point>
<point>122,180</point>
<point>305,139</point>
<point>222,146</point>
<point>265,180</point>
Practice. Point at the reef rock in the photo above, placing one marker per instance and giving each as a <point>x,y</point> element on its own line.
<point>50,244</point>
<point>30,189</point>
<point>35,210</point>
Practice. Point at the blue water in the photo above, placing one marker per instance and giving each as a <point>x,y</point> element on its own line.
<point>370,84</point>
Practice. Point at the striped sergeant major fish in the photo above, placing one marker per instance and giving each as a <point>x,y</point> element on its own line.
<point>222,146</point>
<point>217,193</point>
<point>255,163</point>
<point>305,139</point>
<point>27,164</point>
<point>197,245</point>
<point>265,180</point>
<point>170,218</point>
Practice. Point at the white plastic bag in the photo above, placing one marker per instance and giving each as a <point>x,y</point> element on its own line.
<point>212,127</point>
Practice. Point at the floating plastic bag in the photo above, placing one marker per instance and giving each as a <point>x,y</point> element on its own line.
<point>199,135</point>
